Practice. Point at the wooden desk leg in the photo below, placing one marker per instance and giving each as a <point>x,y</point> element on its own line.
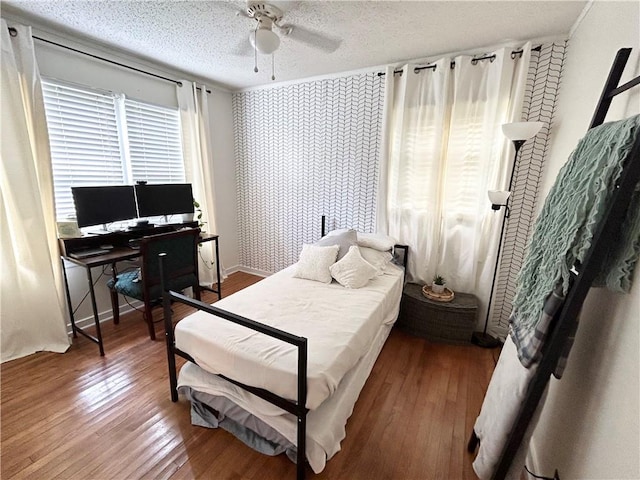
<point>69,305</point>
<point>95,312</point>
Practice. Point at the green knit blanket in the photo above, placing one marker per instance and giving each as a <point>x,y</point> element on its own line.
<point>574,208</point>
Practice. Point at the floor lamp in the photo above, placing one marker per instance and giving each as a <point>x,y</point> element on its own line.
<point>518,133</point>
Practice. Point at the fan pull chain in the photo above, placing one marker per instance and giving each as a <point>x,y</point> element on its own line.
<point>255,48</point>
<point>273,67</point>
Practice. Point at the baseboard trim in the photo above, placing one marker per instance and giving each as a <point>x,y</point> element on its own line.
<point>253,271</point>
<point>106,315</point>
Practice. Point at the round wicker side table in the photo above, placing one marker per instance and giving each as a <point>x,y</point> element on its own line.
<point>450,322</point>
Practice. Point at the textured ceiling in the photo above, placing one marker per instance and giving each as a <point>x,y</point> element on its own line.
<point>208,40</point>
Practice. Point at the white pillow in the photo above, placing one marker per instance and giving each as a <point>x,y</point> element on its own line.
<point>344,240</point>
<point>377,241</point>
<point>378,259</point>
<point>338,231</point>
<point>315,261</point>
<point>353,271</point>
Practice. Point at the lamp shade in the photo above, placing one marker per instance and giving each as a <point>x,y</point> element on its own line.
<point>498,197</point>
<point>264,40</point>
<point>521,130</point>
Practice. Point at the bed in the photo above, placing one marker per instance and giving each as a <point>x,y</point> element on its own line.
<point>279,364</point>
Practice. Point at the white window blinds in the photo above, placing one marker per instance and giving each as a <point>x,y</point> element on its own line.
<point>155,148</point>
<point>85,146</point>
<point>101,138</point>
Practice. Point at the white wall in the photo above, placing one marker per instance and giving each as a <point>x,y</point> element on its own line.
<point>224,170</point>
<point>59,63</point>
<point>590,425</point>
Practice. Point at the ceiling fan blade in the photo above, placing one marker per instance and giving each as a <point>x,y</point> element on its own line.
<point>314,39</point>
<point>243,48</point>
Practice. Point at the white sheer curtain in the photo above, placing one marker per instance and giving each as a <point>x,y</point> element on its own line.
<point>442,149</point>
<point>196,149</point>
<point>32,299</point>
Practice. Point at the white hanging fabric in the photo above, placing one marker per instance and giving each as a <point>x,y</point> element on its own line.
<point>198,166</point>
<point>32,298</point>
<point>442,149</point>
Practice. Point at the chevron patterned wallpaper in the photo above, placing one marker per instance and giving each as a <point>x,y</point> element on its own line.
<point>543,82</point>
<point>303,151</point>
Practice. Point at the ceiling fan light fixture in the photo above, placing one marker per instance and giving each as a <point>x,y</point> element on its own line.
<point>265,41</point>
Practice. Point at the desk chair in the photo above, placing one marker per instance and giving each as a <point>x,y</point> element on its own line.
<point>181,265</point>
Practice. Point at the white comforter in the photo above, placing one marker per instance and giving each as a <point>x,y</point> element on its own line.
<point>339,324</point>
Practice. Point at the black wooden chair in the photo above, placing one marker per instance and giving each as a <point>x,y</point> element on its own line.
<point>181,265</point>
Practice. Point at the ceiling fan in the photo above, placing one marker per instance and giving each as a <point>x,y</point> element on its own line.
<point>263,39</point>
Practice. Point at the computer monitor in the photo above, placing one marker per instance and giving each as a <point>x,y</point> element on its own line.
<point>103,204</point>
<point>164,199</point>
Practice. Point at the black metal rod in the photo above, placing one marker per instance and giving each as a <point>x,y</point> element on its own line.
<point>324,223</point>
<point>495,272</point>
<point>14,32</point>
<point>68,296</point>
<point>623,88</point>
<point>405,255</point>
<point>517,144</point>
<point>218,270</point>
<point>94,308</point>
<point>88,336</point>
<point>168,328</point>
<point>610,85</point>
<point>474,60</point>
<point>245,322</point>
<point>302,412</point>
<point>277,400</point>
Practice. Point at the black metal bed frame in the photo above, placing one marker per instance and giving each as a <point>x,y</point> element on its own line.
<point>297,408</point>
<point>564,321</point>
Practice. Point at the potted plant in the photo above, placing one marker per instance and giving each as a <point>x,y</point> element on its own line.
<point>438,284</point>
<point>198,214</point>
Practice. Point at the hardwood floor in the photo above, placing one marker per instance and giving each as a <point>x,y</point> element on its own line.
<point>80,416</point>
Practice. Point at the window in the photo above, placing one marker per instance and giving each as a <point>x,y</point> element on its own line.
<point>102,138</point>
<point>155,148</point>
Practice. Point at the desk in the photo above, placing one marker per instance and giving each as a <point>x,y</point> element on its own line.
<point>120,252</point>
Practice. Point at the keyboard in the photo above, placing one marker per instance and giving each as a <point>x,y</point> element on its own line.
<point>92,252</point>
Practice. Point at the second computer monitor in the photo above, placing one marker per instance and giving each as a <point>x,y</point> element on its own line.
<point>164,199</point>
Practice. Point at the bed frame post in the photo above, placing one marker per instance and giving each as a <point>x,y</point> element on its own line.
<point>324,226</point>
<point>168,330</point>
<point>301,409</point>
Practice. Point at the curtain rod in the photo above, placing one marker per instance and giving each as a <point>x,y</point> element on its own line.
<point>13,32</point>
<point>474,60</point>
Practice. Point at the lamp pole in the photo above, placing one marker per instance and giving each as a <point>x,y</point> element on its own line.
<point>483,339</point>
<point>518,133</point>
